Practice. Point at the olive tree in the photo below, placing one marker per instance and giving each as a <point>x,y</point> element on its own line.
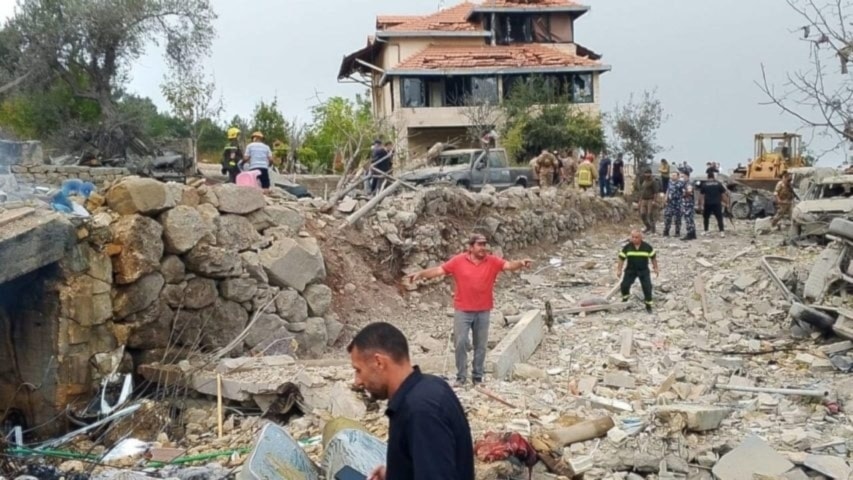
<point>90,45</point>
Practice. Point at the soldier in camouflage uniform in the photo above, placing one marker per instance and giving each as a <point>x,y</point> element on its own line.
<point>672,210</point>
<point>688,208</point>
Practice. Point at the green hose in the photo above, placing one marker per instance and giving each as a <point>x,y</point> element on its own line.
<point>95,458</point>
<point>200,457</point>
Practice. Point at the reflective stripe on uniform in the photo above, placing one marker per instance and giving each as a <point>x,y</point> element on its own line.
<point>640,254</point>
<point>622,255</point>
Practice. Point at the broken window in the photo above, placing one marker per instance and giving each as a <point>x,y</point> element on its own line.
<point>464,90</point>
<point>484,90</point>
<point>413,92</point>
<point>513,28</point>
<point>582,88</point>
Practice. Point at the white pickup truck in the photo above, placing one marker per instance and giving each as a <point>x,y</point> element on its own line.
<point>472,168</point>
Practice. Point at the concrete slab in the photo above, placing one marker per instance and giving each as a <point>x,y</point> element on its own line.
<point>33,241</point>
<point>837,347</point>
<point>696,418</point>
<point>517,346</point>
<point>753,456</point>
<point>619,380</point>
<point>829,465</point>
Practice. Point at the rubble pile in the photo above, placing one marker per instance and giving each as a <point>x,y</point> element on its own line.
<point>429,225</point>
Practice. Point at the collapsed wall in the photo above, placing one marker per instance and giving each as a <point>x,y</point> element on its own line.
<point>428,226</point>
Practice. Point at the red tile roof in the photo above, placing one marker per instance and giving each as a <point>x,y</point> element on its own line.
<point>488,57</point>
<point>529,3</point>
<point>453,19</point>
<point>385,21</point>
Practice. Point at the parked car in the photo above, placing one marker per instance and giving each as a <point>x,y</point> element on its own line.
<point>826,199</point>
<point>746,202</point>
<point>472,169</point>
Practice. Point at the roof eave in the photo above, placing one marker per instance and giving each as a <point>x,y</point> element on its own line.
<point>349,64</point>
<point>579,9</point>
<point>434,33</point>
<point>497,70</point>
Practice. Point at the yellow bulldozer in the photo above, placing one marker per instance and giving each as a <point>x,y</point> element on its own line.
<point>775,153</point>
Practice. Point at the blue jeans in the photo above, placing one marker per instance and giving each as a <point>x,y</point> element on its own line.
<point>478,324</point>
<point>604,186</point>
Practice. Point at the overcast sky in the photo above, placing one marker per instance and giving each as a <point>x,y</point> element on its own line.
<point>702,57</point>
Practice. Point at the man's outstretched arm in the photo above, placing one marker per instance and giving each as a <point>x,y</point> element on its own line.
<point>515,265</point>
<point>427,274</point>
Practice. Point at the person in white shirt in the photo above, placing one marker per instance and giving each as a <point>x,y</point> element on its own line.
<point>259,157</point>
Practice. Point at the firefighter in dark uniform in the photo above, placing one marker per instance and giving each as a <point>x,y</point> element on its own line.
<point>637,255</point>
<point>232,155</point>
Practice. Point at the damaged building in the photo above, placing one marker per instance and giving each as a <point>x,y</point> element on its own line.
<point>424,70</point>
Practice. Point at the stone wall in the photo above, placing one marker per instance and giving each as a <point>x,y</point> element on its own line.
<point>428,226</point>
<point>54,175</point>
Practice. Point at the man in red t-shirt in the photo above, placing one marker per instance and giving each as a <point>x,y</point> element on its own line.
<point>475,272</point>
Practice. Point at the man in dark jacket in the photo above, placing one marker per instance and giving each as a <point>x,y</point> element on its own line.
<point>714,196</point>
<point>429,436</point>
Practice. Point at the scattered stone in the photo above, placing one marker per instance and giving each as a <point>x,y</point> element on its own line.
<point>525,371</point>
<point>744,281</point>
<point>752,456</point>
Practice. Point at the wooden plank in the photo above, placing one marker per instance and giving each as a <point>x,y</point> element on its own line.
<point>15,215</point>
<point>517,346</point>
<point>592,308</point>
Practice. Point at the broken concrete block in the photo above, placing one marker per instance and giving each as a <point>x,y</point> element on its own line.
<point>609,404</point>
<point>587,385</point>
<point>627,342</point>
<point>517,346</point>
<point>805,359</point>
<point>837,347</point>
<point>618,361</point>
<point>821,365</point>
<point>763,226</point>
<point>619,380</point>
<point>829,465</point>
<point>753,456</point>
<point>696,418</point>
<point>616,435</point>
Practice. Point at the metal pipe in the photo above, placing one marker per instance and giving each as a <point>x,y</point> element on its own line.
<point>789,295</point>
<point>781,391</point>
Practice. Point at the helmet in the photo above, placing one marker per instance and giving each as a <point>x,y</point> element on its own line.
<point>233,133</point>
<point>257,134</point>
